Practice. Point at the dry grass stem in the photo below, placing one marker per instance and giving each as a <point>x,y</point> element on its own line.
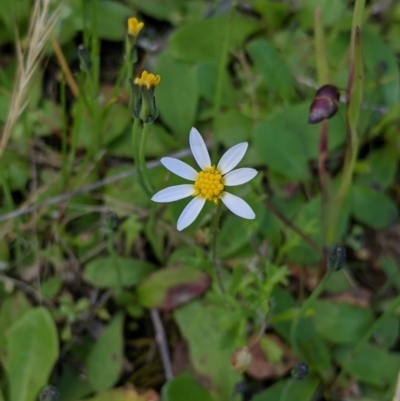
<point>29,56</point>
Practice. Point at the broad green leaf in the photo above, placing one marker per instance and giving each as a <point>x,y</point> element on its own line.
<point>314,349</point>
<point>381,169</point>
<point>184,388</point>
<point>373,208</point>
<point>382,69</point>
<point>209,35</point>
<point>72,384</point>
<point>392,272</point>
<point>341,323</point>
<point>177,94</point>
<point>104,363</point>
<point>272,68</point>
<point>281,151</point>
<point>161,10</point>
<point>111,19</point>
<point>290,390</point>
<point>13,307</point>
<point>32,350</point>
<point>208,358</point>
<point>104,273</point>
<point>172,286</point>
<point>332,14</point>
<point>207,76</point>
<point>388,332</point>
<point>233,128</point>
<point>370,365</point>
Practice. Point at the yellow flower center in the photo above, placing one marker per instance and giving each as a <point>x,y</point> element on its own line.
<point>134,27</point>
<point>148,80</point>
<point>209,185</point>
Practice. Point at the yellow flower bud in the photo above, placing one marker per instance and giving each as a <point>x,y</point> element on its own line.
<point>134,27</point>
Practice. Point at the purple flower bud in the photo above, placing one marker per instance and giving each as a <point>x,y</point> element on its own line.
<point>325,104</point>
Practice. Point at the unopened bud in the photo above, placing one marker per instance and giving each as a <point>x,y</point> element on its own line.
<point>300,371</point>
<point>85,63</point>
<point>111,221</point>
<point>241,359</point>
<point>336,258</point>
<point>49,393</point>
<point>325,104</point>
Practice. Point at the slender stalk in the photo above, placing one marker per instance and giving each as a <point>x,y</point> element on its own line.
<point>117,267</point>
<point>214,243</point>
<point>94,80</point>
<point>139,159</point>
<point>223,59</point>
<point>143,171</point>
<point>161,340</point>
<point>306,305</point>
<point>64,155</point>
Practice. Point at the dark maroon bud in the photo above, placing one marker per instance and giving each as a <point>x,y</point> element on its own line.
<point>325,104</point>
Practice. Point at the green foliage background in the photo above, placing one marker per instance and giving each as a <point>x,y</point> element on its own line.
<point>76,291</point>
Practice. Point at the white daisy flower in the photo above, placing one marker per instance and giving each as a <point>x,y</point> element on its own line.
<point>209,184</point>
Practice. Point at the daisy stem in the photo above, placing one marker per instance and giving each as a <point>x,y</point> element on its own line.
<point>215,263</point>
<point>144,172</point>
<point>223,60</point>
<point>137,144</point>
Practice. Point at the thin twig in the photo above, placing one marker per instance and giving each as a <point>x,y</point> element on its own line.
<point>161,340</point>
<point>88,188</point>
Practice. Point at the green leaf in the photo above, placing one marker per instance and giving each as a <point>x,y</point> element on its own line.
<point>373,208</point>
<point>177,93</point>
<point>370,365</point>
<point>207,75</point>
<point>207,31</point>
<point>314,349</point>
<point>341,323</point>
<point>111,19</point>
<point>12,309</point>
<point>104,363</point>
<point>32,350</point>
<point>72,384</point>
<point>381,169</point>
<point>272,68</point>
<point>209,359</point>
<point>384,81</point>
<point>183,388</point>
<point>172,286</point>
<point>289,390</point>
<point>102,272</point>
<point>281,150</point>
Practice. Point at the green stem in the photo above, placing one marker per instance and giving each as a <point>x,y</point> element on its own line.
<point>94,80</point>
<point>137,144</point>
<point>64,156</point>
<point>214,258</point>
<point>223,59</point>
<point>117,267</point>
<point>306,305</point>
<point>142,160</point>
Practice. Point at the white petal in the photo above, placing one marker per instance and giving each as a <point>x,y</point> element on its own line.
<point>199,149</point>
<point>179,168</point>
<point>239,176</point>
<point>190,212</point>
<point>174,193</point>
<point>232,157</point>
<point>238,206</point>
